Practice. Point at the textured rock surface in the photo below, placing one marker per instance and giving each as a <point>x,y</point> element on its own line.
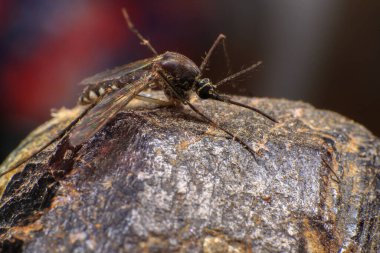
<point>162,180</point>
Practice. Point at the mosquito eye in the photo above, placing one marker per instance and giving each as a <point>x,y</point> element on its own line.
<point>204,91</point>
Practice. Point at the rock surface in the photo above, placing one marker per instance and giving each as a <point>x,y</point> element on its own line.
<point>163,180</point>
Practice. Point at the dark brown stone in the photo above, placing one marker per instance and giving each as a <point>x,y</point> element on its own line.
<point>162,180</point>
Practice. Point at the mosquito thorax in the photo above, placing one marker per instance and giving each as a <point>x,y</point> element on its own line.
<point>180,71</point>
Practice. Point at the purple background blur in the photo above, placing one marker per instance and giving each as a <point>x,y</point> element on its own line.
<point>323,52</point>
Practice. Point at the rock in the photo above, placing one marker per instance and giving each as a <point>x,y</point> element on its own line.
<point>163,180</point>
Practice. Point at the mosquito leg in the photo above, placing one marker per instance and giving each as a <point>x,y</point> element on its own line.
<point>153,100</point>
<point>131,26</point>
<point>227,57</point>
<point>238,74</point>
<point>234,137</point>
<point>329,167</point>
<point>205,61</point>
<point>207,119</point>
<point>59,136</point>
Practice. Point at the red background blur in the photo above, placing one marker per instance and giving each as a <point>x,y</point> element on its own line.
<point>322,52</point>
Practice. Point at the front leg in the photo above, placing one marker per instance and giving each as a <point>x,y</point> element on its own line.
<point>166,80</point>
<point>153,100</point>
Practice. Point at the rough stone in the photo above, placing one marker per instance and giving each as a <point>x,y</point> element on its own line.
<point>163,180</point>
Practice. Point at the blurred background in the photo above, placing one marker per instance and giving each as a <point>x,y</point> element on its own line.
<point>325,52</point>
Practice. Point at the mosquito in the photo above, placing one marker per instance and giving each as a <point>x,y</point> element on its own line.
<point>108,92</point>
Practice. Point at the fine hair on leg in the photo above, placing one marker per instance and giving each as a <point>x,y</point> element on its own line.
<point>238,74</point>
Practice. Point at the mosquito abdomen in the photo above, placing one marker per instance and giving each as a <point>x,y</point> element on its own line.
<point>93,92</point>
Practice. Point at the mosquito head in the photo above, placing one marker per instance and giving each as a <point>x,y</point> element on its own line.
<point>205,89</point>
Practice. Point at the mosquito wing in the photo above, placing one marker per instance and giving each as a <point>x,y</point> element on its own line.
<point>104,111</point>
<point>118,72</point>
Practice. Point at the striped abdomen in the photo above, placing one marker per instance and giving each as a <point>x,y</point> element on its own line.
<point>103,83</point>
<point>93,92</point>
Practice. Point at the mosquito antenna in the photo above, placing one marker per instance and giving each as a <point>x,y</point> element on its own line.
<point>220,39</point>
<point>59,136</point>
<point>229,101</point>
<point>238,74</point>
<point>186,102</point>
<point>132,27</point>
